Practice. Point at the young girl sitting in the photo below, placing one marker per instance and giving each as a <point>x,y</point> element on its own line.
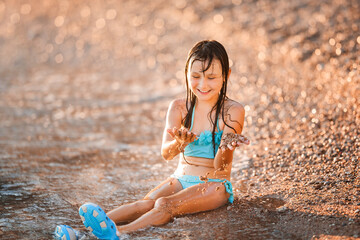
<point>195,130</point>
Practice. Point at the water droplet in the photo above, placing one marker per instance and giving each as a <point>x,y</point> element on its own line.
<point>59,58</point>
<point>179,74</point>
<point>261,56</point>
<point>303,94</point>
<point>231,63</point>
<point>59,39</point>
<point>25,9</point>
<point>100,23</point>
<point>338,51</point>
<point>137,21</point>
<point>85,11</point>
<point>332,42</point>
<point>151,62</point>
<point>59,21</point>
<point>111,14</point>
<point>218,18</point>
<point>159,23</point>
<point>15,18</point>
<point>236,2</point>
<point>319,67</point>
<point>152,39</point>
<point>180,4</point>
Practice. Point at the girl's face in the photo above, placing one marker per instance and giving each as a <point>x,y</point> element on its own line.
<point>205,85</point>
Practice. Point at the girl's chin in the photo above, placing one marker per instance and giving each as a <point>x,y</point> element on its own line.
<point>205,97</point>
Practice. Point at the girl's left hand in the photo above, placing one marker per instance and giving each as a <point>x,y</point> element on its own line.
<point>232,140</point>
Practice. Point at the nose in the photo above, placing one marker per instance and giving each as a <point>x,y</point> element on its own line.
<point>202,83</point>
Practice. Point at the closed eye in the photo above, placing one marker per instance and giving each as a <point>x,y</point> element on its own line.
<point>212,76</point>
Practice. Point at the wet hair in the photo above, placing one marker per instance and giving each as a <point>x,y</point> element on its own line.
<point>206,51</point>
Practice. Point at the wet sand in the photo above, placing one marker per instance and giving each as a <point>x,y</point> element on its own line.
<point>84,89</point>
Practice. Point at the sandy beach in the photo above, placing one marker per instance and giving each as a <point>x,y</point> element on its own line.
<point>84,90</point>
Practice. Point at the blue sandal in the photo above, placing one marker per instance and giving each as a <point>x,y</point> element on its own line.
<point>64,232</point>
<point>96,221</point>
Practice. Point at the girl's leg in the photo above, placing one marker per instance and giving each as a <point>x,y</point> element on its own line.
<point>198,198</point>
<point>131,211</point>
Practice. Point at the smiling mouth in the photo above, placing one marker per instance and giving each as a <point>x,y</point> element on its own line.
<point>204,92</point>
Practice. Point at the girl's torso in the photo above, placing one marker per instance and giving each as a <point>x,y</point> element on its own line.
<point>201,166</point>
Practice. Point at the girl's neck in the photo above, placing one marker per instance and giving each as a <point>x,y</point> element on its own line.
<point>205,104</point>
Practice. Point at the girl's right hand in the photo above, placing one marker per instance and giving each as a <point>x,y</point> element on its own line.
<point>182,135</point>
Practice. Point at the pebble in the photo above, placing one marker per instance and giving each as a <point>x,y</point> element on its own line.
<point>281,209</point>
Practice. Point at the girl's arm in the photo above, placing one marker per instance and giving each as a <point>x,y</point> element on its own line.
<point>175,138</point>
<point>223,158</point>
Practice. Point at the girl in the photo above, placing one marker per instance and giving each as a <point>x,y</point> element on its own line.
<point>194,129</point>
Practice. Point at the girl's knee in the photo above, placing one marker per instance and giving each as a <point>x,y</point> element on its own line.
<point>220,192</point>
<point>163,204</point>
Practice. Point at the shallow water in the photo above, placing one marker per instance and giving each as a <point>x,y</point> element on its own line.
<point>37,194</point>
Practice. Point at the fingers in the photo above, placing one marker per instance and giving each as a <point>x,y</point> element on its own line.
<point>244,139</point>
<point>234,143</point>
<point>182,134</point>
<point>170,131</point>
<point>230,146</point>
<point>179,133</point>
<point>192,137</point>
<point>173,132</point>
<point>186,135</point>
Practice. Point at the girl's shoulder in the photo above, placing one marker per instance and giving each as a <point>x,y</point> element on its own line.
<point>179,106</point>
<point>232,106</point>
<point>233,110</point>
<point>234,114</point>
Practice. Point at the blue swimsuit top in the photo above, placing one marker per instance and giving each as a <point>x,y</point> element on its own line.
<point>203,146</point>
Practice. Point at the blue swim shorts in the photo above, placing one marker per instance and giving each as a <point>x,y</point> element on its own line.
<point>188,181</point>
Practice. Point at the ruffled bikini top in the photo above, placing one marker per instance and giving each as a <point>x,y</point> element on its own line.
<point>203,146</point>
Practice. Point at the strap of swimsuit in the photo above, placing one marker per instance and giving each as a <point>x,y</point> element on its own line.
<point>217,124</point>
<point>192,119</point>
